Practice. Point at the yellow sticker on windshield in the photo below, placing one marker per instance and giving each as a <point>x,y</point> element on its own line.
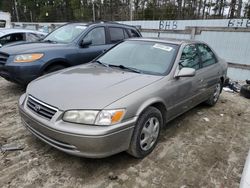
<point>163,47</point>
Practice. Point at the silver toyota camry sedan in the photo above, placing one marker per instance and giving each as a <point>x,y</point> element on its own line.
<point>121,100</point>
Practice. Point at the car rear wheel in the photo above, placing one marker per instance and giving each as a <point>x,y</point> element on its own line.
<point>146,133</point>
<point>53,68</point>
<point>215,96</point>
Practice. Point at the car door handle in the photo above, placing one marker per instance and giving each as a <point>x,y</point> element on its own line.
<point>201,80</point>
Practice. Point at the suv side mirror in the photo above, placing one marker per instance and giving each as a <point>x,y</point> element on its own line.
<point>185,72</point>
<point>86,43</point>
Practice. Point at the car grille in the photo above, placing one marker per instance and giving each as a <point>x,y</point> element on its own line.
<point>3,58</point>
<point>41,108</point>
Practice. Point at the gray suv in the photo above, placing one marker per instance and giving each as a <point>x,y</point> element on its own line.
<point>121,101</point>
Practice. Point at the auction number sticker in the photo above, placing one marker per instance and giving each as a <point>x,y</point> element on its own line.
<point>163,47</point>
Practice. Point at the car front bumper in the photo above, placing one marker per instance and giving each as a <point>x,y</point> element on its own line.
<point>21,73</point>
<point>102,142</point>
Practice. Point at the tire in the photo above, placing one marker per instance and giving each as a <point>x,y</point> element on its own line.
<point>215,96</point>
<point>146,133</point>
<point>53,68</point>
<point>245,91</point>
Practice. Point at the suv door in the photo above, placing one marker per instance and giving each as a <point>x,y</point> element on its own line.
<point>186,90</point>
<point>209,69</point>
<point>99,44</point>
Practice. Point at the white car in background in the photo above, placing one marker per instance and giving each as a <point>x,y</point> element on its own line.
<point>14,36</point>
<point>245,179</point>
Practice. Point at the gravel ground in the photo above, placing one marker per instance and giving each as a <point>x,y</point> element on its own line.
<point>192,152</point>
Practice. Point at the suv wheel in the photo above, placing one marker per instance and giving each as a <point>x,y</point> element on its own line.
<point>53,68</point>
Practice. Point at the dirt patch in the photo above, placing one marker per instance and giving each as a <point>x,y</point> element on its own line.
<point>192,152</point>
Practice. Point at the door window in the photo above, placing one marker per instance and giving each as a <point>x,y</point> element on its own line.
<point>32,37</point>
<point>12,38</point>
<point>117,34</point>
<point>133,33</point>
<point>206,54</point>
<point>97,36</point>
<point>190,57</point>
<point>2,23</point>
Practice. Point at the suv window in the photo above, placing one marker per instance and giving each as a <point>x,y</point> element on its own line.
<point>117,34</point>
<point>190,57</point>
<point>133,33</point>
<point>206,54</point>
<point>97,36</point>
<point>12,38</point>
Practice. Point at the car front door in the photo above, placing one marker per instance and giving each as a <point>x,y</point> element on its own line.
<point>186,90</point>
<point>98,45</point>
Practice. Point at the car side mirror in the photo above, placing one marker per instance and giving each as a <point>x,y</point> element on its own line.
<point>86,43</point>
<point>185,72</point>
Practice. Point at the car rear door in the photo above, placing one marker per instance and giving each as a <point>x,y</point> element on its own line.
<point>209,70</point>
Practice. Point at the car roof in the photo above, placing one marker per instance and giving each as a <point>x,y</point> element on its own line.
<point>102,23</point>
<point>10,31</point>
<point>166,40</point>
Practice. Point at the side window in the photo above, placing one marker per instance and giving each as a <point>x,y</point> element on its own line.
<point>133,33</point>
<point>2,23</point>
<point>190,57</point>
<point>206,54</point>
<point>97,36</point>
<point>12,38</point>
<point>5,39</point>
<point>125,34</point>
<point>32,37</point>
<point>116,34</point>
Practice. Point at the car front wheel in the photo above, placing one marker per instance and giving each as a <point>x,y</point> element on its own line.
<point>146,133</point>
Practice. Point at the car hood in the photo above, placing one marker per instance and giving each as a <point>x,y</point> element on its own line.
<point>87,86</point>
<point>29,47</point>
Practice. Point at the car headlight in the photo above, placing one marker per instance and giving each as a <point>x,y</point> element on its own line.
<point>25,58</point>
<point>93,117</point>
<point>110,117</point>
<point>80,116</point>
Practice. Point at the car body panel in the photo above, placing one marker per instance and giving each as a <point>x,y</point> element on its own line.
<point>96,87</point>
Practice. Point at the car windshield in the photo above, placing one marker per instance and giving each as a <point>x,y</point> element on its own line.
<point>145,57</point>
<point>65,34</point>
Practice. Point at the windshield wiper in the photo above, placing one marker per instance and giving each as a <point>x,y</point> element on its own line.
<point>127,68</point>
<point>101,63</point>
